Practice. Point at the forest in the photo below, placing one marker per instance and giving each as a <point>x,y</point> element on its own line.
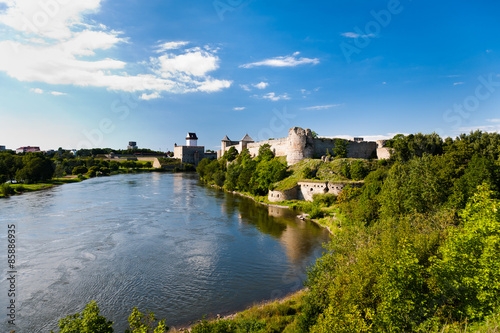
<point>415,249</point>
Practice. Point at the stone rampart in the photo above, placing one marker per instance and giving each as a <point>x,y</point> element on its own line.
<point>364,149</point>
<point>278,146</point>
<point>308,189</point>
<point>305,190</point>
<point>300,144</point>
<point>276,196</point>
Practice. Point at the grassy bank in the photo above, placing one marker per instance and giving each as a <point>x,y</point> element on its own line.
<point>16,189</point>
<point>271,316</point>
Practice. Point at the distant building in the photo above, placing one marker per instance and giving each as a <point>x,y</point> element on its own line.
<point>2,148</point>
<point>190,153</point>
<point>28,149</point>
<point>359,139</point>
<point>132,145</point>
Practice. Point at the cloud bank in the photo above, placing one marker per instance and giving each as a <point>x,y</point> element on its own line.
<point>50,42</point>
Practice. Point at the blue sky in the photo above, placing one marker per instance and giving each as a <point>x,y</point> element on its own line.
<point>100,73</point>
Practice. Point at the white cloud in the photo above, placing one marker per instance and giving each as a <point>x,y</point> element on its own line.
<point>49,19</point>
<point>239,108</point>
<point>170,46</point>
<point>53,53</point>
<point>273,97</point>
<point>494,128</point>
<point>261,85</point>
<point>245,87</point>
<point>322,107</point>
<point>57,93</point>
<point>286,61</point>
<point>493,120</point>
<point>356,35</point>
<point>458,83</point>
<point>147,97</point>
<point>37,90</point>
<point>194,62</point>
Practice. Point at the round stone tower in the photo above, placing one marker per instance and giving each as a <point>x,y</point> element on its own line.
<point>300,145</point>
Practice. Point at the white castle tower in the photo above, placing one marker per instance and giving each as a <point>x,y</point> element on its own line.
<point>191,140</point>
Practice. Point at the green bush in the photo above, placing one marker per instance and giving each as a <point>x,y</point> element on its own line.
<point>5,190</point>
<point>325,200</point>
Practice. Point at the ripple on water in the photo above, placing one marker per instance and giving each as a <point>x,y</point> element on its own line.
<point>157,241</point>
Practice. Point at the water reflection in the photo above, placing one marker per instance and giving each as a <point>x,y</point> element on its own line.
<point>162,242</point>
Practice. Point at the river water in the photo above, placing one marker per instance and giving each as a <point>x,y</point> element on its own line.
<point>161,242</point>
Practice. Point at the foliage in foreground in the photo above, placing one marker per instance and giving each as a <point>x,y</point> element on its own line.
<point>90,321</point>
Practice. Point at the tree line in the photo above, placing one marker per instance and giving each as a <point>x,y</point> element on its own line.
<point>415,249</point>
<point>36,167</point>
<point>417,246</point>
<point>241,172</point>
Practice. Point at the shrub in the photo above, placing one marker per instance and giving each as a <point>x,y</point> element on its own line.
<point>5,190</point>
<point>326,200</point>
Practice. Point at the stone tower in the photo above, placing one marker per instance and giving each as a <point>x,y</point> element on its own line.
<point>300,145</point>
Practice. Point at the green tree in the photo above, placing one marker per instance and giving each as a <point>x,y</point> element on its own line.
<point>79,170</point>
<point>232,174</point>
<point>9,164</point>
<point>265,152</point>
<point>340,150</point>
<point>358,170</point>
<point>93,171</point>
<point>89,321</point>
<point>230,154</point>
<point>266,174</point>
<point>145,323</point>
<point>467,269</point>
<point>36,167</point>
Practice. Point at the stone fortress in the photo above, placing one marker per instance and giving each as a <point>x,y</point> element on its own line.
<point>300,144</point>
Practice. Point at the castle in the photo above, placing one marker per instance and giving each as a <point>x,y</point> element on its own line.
<point>191,153</point>
<point>301,144</point>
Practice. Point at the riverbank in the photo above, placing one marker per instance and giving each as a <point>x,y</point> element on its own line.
<point>20,188</point>
<point>329,223</point>
<point>278,315</point>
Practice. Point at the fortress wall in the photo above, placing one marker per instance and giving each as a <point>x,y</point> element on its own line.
<point>321,145</point>
<point>308,189</point>
<point>335,188</point>
<point>363,149</point>
<point>384,153</point>
<point>278,146</point>
<point>276,196</point>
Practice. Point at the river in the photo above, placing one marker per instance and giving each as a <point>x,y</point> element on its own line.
<point>159,241</point>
